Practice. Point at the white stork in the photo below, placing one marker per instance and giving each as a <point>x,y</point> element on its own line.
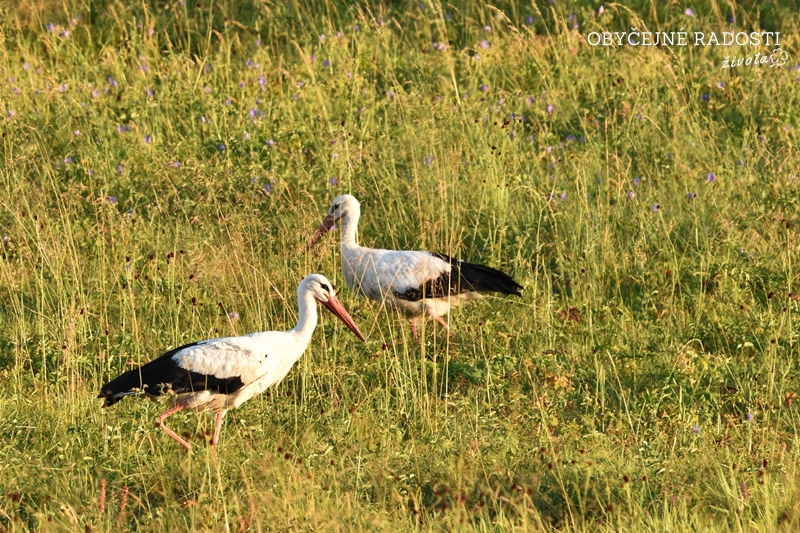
<point>221,374</point>
<point>419,284</point>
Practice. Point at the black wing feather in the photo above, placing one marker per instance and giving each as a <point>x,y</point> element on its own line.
<point>162,375</point>
<point>469,277</point>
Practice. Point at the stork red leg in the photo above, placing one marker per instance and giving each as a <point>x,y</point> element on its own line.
<point>217,426</point>
<point>441,321</point>
<point>160,424</point>
<point>413,329</point>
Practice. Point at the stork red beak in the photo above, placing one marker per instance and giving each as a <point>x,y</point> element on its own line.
<point>326,225</point>
<point>338,309</point>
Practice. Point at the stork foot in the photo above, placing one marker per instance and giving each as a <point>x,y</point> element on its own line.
<point>160,425</point>
<point>444,324</point>
<point>414,329</point>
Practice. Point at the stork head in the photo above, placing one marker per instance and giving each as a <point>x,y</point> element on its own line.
<point>323,292</point>
<point>344,206</point>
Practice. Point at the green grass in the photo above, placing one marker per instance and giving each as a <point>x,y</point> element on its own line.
<point>612,397</point>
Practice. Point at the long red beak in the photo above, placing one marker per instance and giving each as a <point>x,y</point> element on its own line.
<point>326,225</point>
<point>338,309</point>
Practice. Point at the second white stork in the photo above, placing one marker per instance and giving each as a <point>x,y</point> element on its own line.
<point>418,284</point>
<point>221,374</point>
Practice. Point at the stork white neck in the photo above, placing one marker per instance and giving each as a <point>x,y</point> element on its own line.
<point>307,317</point>
<point>349,223</point>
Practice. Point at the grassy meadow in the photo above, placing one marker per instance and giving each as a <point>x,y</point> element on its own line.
<point>163,163</point>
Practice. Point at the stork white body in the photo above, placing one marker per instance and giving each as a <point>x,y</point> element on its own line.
<point>418,284</point>
<point>221,374</point>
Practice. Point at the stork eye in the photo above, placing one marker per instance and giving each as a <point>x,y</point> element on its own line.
<point>324,288</point>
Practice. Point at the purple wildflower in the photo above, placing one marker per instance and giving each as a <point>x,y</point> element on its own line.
<point>529,20</point>
<point>631,195</point>
<point>176,163</point>
<point>743,488</point>
<point>689,12</point>
<point>550,108</point>
<point>637,180</point>
<point>112,81</point>
<point>691,196</point>
<point>428,160</point>
<point>258,41</point>
<point>270,143</point>
<point>563,197</point>
<point>262,80</point>
<point>333,181</point>
<point>326,63</point>
<point>50,26</point>
<point>267,189</point>
<point>696,429</point>
<point>119,168</point>
<point>391,94</point>
<point>207,89</point>
<point>710,177</point>
<point>705,97</point>
<point>601,10</point>
<point>720,85</point>
<point>246,136</point>
<point>143,67</point>
<point>476,57</point>
<point>485,44</point>
<point>748,417</point>
<point>656,208</point>
<point>76,133</point>
<point>26,66</point>
<point>487,29</point>
<point>322,37</point>
<point>233,316</point>
<point>147,139</point>
<point>570,138</point>
<point>112,200</point>
<point>149,93</point>
<point>11,113</point>
<point>68,160</point>
<point>511,135</point>
<point>484,87</point>
<point>62,87</point>
<point>221,147</point>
